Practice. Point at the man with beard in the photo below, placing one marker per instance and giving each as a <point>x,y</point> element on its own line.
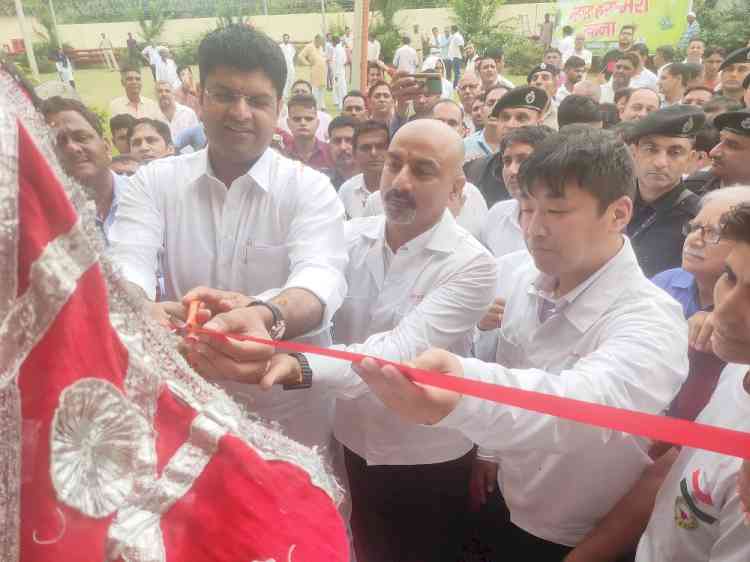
<point>491,67</point>
<point>624,42</point>
<point>370,143</point>
<point>673,83</point>
<point>712,61</point>
<point>733,70</point>
<point>85,155</point>
<point>624,69</point>
<point>663,149</point>
<point>520,107</point>
<point>150,140</point>
<point>340,140</point>
<point>415,279</point>
<point>574,70</point>
<point>730,159</point>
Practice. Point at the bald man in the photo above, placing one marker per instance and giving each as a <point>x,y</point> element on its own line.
<point>416,280</point>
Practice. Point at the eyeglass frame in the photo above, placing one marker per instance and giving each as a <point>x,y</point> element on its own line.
<point>689,227</point>
<point>233,98</point>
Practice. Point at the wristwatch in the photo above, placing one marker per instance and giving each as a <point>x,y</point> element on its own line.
<point>279,324</point>
<point>306,374</point>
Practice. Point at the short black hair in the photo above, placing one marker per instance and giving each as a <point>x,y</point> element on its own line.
<point>494,53</point>
<point>595,159</point>
<point>694,39</point>
<point>735,223</point>
<point>378,84</point>
<point>354,94</point>
<point>552,50</point>
<point>406,39</point>
<point>303,100</point>
<point>121,121</point>
<point>373,64</point>
<point>244,48</point>
<point>640,48</point>
<point>676,69</point>
<point>301,81</point>
<point>567,30</point>
<point>368,127</point>
<point>629,26</point>
<point>574,62</point>
<point>706,139</point>
<point>623,93</point>
<point>631,57</point>
<point>703,88</point>
<point>339,122</point>
<point>610,115</point>
<point>57,104</point>
<point>722,104</point>
<point>159,126</point>
<point>693,69</point>
<point>713,50</point>
<point>128,67</point>
<point>667,52</point>
<point>184,67</point>
<point>531,135</point>
<point>578,109</point>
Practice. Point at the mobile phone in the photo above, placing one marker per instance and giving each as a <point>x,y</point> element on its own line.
<point>433,84</point>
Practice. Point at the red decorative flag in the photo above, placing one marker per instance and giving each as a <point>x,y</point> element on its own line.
<point>112,449</point>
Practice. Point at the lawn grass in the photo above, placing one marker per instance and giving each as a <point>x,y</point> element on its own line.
<point>98,87</point>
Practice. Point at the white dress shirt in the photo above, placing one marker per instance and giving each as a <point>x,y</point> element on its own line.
<point>406,59</point>
<point>373,49</point>
<point>430,293</point>
<point>278,226</point>
<point>607,93</point>
<point>456,42</point>
<point>289,53</point>
<point>501,231</point>
<point>697,516</point>
<point>616,339</point>
<point>566,45</point>
<point>183,118</point>
<point>471,217</point>
<point>166,71</point>
<point>353,195</point>
<point>645,79</point>
<point>339,60</point>
<point>562,93</point>
<point>584,54</point>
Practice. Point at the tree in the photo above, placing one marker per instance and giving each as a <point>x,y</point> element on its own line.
<point>151,15</point>
<point>475,17</point>
<point>40,10</point>
<point>726,26</point>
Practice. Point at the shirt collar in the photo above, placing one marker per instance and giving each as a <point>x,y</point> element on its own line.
<point>440,238</point>
<point>682,279</point>
<point>587,302</point>
<point>664,202</point>
<point>260,172</point>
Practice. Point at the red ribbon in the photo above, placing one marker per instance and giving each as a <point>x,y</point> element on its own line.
<point>654,427</point>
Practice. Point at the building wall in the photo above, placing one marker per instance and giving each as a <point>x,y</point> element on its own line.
<point>302,27</point>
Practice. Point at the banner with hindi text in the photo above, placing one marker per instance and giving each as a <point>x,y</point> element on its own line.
<point>658,22</point>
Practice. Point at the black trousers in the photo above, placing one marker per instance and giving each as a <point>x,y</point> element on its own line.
<point>411,513</point>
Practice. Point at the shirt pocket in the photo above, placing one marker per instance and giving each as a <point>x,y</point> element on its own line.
<point>266,264</point>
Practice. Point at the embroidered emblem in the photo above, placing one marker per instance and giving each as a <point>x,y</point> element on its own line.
<point>687,497</point>
<point>688,126</point>
<point>698,493</point>
<point>530,97</point>
<point>745,124</point>
<point>683,517</point>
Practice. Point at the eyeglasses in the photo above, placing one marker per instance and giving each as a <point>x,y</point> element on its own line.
<point>225,97</point>
<point>708,233</point>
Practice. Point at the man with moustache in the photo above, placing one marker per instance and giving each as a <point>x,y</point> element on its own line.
<point>340,141</point>
<point>663,149</point>
<point>730,159</point>
<point>485,142</point>
<point>380,102</point>
<point>624,70</point>
<point>491,67</point>
<point>469,87</point>
<point>581,321</point>
<point>415,279</point>
<point>521,107</point>
<point>733,71</point>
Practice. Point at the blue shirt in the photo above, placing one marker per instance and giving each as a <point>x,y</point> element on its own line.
<point>681,286</point>
<point>476,147</point>
<point>194,137</point>
<point>120,183</point>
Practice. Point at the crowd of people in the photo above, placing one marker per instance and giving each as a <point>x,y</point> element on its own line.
<point>585,235</point>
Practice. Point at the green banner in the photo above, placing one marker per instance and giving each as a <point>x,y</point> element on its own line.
<point>658,22</point>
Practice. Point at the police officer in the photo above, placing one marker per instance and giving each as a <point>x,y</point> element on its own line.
<point>663,149</point>
<point>730,159</point>
<point>733,70</point>
<point>521,107</point>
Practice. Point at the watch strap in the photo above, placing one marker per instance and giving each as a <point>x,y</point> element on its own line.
<point>306,381</point>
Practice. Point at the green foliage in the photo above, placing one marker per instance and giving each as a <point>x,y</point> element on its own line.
<point>230,13</point>
<point>40,10</point>
<point>389,37</point>
<point>187,52</point>
<point>724,27</point>
<point>521,53</point>
<point>151,15</point>
<point>475,17</point>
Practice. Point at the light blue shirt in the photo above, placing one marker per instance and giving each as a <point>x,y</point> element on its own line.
<point>475,146</point>
<point>119,185</point>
